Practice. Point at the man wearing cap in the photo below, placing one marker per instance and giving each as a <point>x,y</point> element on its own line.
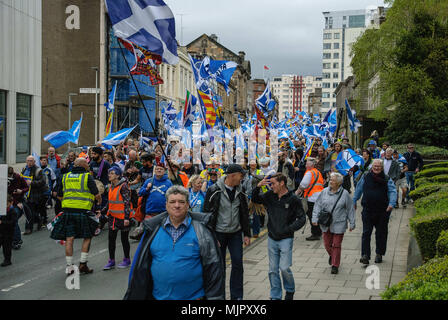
<point>230,219</point>
<point>286,168</point>
<point>155,189</point>
<point>176,176</point>
<point>374,150</point>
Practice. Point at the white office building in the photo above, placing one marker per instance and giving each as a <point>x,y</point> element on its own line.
<point>282,88</point>
<point>20,79</point>
<point>342,29</point>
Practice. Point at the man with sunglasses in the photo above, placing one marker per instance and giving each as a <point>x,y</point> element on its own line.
<point>415,164</point>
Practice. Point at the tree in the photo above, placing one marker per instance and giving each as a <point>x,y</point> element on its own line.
<point>409,56</point>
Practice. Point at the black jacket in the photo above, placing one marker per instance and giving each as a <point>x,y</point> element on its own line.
<point>212,204</point>
<point>414,160</point>
<point>38,186</point>
<point>8,223</point>
<point>286,215</point>
<point>140,284</point>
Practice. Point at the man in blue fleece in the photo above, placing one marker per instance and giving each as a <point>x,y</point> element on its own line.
<point>155,189</point>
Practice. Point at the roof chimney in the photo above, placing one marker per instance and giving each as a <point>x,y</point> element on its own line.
<point>214,37</point>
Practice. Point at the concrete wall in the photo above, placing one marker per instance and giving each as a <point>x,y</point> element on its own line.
<point>20,66</point>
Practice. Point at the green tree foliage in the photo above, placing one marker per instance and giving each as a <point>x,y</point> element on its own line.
<point>408,56</point>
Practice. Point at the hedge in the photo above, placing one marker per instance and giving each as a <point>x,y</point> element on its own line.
<point>440,164</point>
<point>438,198</point>
<point>427,152</point>
<point>428,173</point>
<point>427,189</point>
<point>427,226</point>
<point>442,244</point>
<point>427,282</point>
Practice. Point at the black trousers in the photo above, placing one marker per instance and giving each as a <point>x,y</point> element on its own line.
<point>37,214</point>
<point>315,230</point>
<point>6,244</point>
<point>379,221</point>
<point>124,242</point>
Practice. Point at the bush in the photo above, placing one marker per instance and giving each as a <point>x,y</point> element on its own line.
<point>442,178</point>
<point>442,244</point>
<point>422,181</point>
<point>428,173</point>
<point>427,282</point>
<point>440,164</point>
<point>436,199</point>
<point>427,152</point>
<point>426,190</point>
<point>427,226</point>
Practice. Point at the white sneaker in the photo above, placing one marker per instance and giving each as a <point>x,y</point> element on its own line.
<point>69,269</point>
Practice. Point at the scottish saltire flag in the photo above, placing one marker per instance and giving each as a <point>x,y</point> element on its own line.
<point>208,109</point>
<point>351,117</point>
<point>316,118</point>
<point>266,102</point>
<point>283,135</point>
<point>189,109</point>
<point>110,102</point>
<point>109,123</point>
<point>115,138</point>
<point>346,160</point>
<point>402,159</point>
<point>169,114</point>
<point>75,130</point>
<point>144,141</point>
<point>36,157</point>
<point>147,23</point>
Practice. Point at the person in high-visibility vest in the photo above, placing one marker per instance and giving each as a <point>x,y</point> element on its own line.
<point>78,193</point>
<point>310,187</point>
<point>119,212</point>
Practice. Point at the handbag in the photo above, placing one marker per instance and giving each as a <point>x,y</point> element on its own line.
<point>325,217</point>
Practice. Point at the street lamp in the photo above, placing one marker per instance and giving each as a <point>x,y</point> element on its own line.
<point>96,102</point>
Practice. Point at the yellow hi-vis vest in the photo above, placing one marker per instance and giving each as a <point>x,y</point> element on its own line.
<point>76,192</point>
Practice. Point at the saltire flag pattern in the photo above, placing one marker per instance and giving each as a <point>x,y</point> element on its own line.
<point>210,113</point>
<point>148,23</point>
<point>189,110</point>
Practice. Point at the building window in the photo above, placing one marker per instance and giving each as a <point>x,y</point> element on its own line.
<point>327,35</point>
<point>335,85</point>
<point>325,95</point>
<point>336,55</point>
<point>335,65</point>
<point>337,35</point>
<point>325,85</point>
<point>327,56</point>
<point>23,127</point>
<point>327,46</point>
<point>326,75</point>
<point>326,65</point>
<point>336,45</point>
<point>335,75</point>
<point>2,127</point>
<point>358,21</point>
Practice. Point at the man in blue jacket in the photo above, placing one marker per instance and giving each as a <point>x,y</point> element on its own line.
<point>178,257</point>
<point>155,189</point>
<point>379,198</point>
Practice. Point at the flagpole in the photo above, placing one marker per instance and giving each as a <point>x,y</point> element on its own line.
<point>144,108</point>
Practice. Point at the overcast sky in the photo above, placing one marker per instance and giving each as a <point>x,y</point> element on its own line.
<point>285,35</point>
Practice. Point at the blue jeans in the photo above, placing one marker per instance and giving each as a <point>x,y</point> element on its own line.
<point>256,224</point>
<point>234,241</point>
<point>17,233</point>
<point>410,181</point>
<point>280,257</point>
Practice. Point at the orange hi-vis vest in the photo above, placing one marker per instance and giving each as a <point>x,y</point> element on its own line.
<point>316,185</point>
<point>116,203</point>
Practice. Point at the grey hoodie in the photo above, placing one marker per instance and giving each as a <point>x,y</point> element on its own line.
<point>228,220</point>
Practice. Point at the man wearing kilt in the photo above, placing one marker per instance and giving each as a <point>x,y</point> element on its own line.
<point>78,192</point>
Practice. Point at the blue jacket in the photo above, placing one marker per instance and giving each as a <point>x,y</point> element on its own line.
<point>391,191</point>
<point>156,201</point>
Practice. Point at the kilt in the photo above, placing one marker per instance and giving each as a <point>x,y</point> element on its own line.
<point>77,225</point>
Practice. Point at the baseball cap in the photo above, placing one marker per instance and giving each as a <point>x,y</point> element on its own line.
<point>235,168</point>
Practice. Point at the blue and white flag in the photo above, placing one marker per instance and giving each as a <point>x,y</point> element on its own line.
<point>346,160</point>
<point>110,102</point>
<point>144,141</point>
<point>316,118</point>
<point>189,110</point>
<point>116,137</point>
<point>75,130</point>
<point>147,23</point>
<point>36,157</point>
<point>351,117</point>
<point>59,138</point>
<point>266,102</point>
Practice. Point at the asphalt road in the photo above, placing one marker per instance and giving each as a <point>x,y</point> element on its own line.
<point>38,270</point>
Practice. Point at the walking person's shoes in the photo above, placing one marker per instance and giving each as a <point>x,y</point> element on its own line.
<point>334,270</point>
<point>313,238</point>
<point>125,264</point>
<point>289,295</point>
<point>6,263</point>
<point>378,258</point>
<point>110,265</point>
<point>364,260</point>
<point>403,202</point>
<point>27,232</point>
<point>329,260</point>
<point>84,269</point>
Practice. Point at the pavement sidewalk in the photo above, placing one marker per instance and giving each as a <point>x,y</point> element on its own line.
<point>310,267</point>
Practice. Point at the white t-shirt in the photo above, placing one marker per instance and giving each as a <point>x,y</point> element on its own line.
<point>387,164</point>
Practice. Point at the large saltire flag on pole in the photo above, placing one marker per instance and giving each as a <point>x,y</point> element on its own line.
<point>189,110</point>
<point>59,138</point>
<point>147,23</point>
<point>351,117</point>
<point>115,138</point>
<point>208,109</point>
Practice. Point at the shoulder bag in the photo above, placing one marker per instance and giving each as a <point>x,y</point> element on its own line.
<point>325,217</point>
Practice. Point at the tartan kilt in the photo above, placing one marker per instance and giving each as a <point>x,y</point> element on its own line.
<point>77,225</point>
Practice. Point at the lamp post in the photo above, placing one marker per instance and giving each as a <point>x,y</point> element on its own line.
<point>96,103</point>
